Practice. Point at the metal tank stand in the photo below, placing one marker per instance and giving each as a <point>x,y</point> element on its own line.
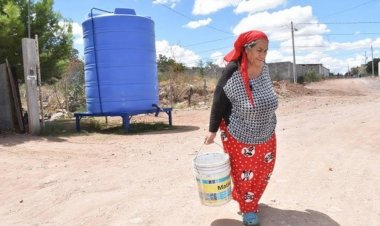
<point>126,116</point>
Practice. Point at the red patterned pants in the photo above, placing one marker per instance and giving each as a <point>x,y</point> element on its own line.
<point>251,168</point>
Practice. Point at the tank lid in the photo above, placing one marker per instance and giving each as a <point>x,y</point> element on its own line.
<point>125,11</point>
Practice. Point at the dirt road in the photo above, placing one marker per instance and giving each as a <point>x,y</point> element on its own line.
<point>327,169</point>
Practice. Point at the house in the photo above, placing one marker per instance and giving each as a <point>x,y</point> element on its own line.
<point>284,70</point>
<point>319,69</point>
<point>281,71</point>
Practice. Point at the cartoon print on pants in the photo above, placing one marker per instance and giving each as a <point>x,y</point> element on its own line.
<point>223,135</point>
<point>245,158</point>
<point>247,175</point>
<point>248,152</point>
<point>248,197</point>
<point>268,157</point>
<point>268,177</point>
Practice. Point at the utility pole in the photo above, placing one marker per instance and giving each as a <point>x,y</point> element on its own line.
<point>39,81</point>
<point>30,74</point>
<point>28,18</point>
<point>294,55</point>
<point>373,64</point>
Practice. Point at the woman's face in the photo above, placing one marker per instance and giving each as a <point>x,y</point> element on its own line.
<point>256,54</point>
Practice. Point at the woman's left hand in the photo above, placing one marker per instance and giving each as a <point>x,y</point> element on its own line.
<point>209,139</point>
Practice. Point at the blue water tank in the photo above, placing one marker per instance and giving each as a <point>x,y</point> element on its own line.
<point>120,62</point>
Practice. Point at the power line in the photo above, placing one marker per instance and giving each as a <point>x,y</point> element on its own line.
<point>204,42</point>
<point>338,34</point>
<point>323,46</point>
<point>210,50</point>
<point>179,13</point>
<point>348,9</point>
<point>360,33</point>
<point>316,46</point>
<point>357,22</point>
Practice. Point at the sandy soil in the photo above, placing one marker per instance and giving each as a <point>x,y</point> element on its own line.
<point>327,171</point>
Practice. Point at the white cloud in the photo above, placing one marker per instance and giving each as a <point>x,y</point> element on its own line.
<point>77,29</point>
<point>217,58</point>
<point>313,57</point>
<point>177,53</point>
<point>198,23</point>
<point>277,24</point>
<point>254,6</point>
<point>376,43</point>
<point>171,3</point>
<point>205,7</point>
<point>64,25</point>
<point>276,56</point>
<point>305,43</point>
<point>317,57</point>
<point>309,37</point>
<point>341,65</point>
<point>78,33</point>
<point>317,43</point>
<point>311,46</point>
<point>360,44</point>
<point>78,41</point>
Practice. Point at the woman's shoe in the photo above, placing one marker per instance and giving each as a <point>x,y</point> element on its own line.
<point>251,219</point>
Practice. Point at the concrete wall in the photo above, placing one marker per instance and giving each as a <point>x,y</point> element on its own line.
<point>284,70</point>
<point>303,69</point>
<point>281,71</point>
<point>6,115</point>
<point>324,71</point>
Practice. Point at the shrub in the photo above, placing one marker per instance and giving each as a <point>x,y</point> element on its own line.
<point>311,76</point>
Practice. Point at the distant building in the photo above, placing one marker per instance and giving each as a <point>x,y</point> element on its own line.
<point>303,69</point>
<point>281,71</point>
<point>284,70</point>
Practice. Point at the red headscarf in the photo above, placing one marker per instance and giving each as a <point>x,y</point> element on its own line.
<point>243,39</point>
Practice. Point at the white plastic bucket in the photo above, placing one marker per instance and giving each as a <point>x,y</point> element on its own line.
<point>213,178</point>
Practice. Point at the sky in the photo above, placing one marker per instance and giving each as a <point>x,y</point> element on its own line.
<point>338,34</point>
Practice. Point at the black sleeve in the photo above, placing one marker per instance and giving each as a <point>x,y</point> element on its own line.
<point>221,105</point>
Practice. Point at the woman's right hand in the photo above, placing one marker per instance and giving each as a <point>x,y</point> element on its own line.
<point>209,139</point>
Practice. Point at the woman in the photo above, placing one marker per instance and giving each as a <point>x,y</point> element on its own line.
<point>243,109</point>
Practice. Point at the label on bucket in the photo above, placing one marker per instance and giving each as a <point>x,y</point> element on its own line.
<point>215,192</point>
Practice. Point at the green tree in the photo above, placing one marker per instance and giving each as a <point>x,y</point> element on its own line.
<point>11,29</point>
<point>201,68</point>
<point>212,68</point>
<point>162,63</point>
<point>355,71</point>
<point>74,85</point>
<point>167,65</point>
<point>376,68</point>
<point>54,35</point>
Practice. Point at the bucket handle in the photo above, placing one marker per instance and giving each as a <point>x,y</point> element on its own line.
<point>204,144</point>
